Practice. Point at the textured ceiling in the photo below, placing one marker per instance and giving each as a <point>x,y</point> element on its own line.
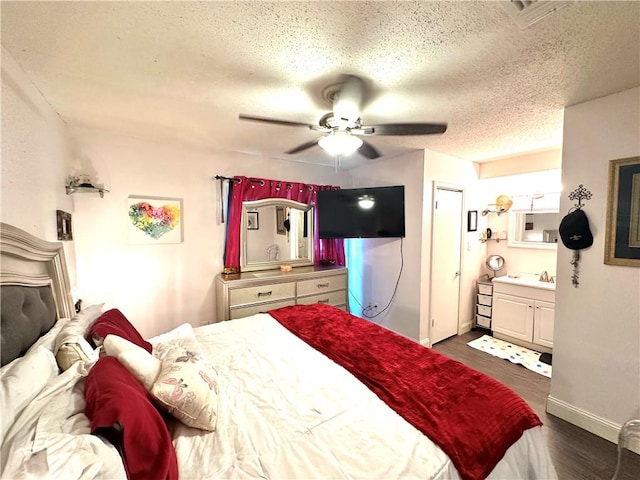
<point>183,71</point>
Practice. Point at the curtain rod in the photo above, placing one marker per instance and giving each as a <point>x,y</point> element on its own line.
<point>221,177</point>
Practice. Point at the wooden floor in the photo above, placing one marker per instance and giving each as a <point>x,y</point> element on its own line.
<point>576,453</point>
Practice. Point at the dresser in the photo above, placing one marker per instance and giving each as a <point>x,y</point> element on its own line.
<point>248,293</point>
<point>484,303</point>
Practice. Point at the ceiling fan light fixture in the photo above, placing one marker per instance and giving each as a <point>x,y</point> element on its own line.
<point>340,143</point>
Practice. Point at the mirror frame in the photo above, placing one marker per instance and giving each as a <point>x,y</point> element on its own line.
<point>272,265</point>
<point>511,237</point>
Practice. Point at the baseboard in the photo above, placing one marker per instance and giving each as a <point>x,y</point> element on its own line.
<point>587,421</point>
<point>465,327</point>
<point>425,342</point>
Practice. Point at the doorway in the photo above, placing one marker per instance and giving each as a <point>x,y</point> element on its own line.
<point>446,241</point>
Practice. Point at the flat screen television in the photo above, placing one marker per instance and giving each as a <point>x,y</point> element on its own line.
<point>361,212</point>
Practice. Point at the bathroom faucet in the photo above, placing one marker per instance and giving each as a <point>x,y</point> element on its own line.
<point>544,276</point>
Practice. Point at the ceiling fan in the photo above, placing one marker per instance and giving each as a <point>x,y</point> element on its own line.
<point>344,126</point>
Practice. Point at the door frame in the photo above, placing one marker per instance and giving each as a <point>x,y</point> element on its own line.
<point>437,185</point>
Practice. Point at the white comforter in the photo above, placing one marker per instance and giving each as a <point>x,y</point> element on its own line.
<point>51,440</point>
<point>287,411</point>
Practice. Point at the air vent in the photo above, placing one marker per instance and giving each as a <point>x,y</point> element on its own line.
<point>527,12</point>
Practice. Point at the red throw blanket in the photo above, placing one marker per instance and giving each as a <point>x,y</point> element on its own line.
<point>473,418</point>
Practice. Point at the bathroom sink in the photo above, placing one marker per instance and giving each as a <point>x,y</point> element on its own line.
<point>526,282</point>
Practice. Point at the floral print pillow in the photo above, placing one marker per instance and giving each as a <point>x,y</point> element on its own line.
<point>187,388</point>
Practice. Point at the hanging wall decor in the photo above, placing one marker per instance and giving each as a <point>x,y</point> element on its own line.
<point>622,241</point>
<point>575,232</point>
<point>154,220</point>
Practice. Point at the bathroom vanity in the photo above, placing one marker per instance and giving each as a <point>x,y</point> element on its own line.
<point>523,312</point>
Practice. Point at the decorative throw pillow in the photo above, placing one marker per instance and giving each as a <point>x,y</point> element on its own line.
<point>115,323</point>
<point>119,407</point>
<point>187,388</point>
<point>140,363</point>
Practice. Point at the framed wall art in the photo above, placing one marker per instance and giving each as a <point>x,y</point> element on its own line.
<point>280,217</point>
<point>472,220</point>
<point>622,242</point>
<point>154,220</point>
<point>252,221</point>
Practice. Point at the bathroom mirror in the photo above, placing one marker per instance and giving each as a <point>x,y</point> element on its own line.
<point>275,232</point>
<point>537,229</point>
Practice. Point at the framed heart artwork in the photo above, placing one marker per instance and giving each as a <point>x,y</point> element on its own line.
<point>154,220</point>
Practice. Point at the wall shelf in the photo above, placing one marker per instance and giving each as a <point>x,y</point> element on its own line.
<point>81,189</point>
<point>485,240</point>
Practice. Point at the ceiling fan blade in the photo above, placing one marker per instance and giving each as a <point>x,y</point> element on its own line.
<point>369,151</point>
<point>275,121</point>
<point>407,128</point>
<point>302,147</point>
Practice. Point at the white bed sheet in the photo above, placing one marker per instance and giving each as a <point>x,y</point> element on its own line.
<point>51,437</point>
<point>287,411</point>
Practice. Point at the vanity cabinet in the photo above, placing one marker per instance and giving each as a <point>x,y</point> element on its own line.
<point>524,315</point>
<point>249,293</point>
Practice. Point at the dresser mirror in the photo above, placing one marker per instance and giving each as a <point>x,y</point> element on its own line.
<point>533,229</point>
<point>276,232</point>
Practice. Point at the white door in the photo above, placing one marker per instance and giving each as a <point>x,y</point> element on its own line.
<point>446,240</point>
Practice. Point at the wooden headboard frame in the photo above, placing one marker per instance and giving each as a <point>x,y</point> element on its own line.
<point>29,261</point>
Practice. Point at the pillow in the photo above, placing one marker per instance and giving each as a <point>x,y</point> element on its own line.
<point>187,388</point>
<point>140,363</point>
<point>115,323</point>
<point>118,405</point>
<point>22,381</point>
<point>182,336</point>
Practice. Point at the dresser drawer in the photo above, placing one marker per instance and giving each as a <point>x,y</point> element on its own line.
<point>262,308</point>
<point>484,310</point>
<point>320,285</point>
<point>485,288</point>
<point>264,293</point>
<point>330,298</point>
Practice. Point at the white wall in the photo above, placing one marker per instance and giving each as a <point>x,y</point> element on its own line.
<point>596,364</point>
<point>161,286</point>
<point>36,153</point>
<point>379,260</point>
<point>518,259</point>
<point>460,173</point>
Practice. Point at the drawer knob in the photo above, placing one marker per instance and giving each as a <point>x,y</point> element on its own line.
<point>326,300</point>
<point>265,294</point>
<point>323,285</point>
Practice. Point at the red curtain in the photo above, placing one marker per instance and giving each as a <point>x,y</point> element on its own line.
<point>246,189</point>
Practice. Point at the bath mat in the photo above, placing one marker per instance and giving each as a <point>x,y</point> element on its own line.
<point>514,353</point>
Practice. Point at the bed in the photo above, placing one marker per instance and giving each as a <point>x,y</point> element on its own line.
<point>301,392</point>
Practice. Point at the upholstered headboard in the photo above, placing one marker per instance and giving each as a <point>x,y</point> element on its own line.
<point>34,289</point>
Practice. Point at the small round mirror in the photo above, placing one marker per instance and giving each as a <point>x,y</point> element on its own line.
<point>495,263</point>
